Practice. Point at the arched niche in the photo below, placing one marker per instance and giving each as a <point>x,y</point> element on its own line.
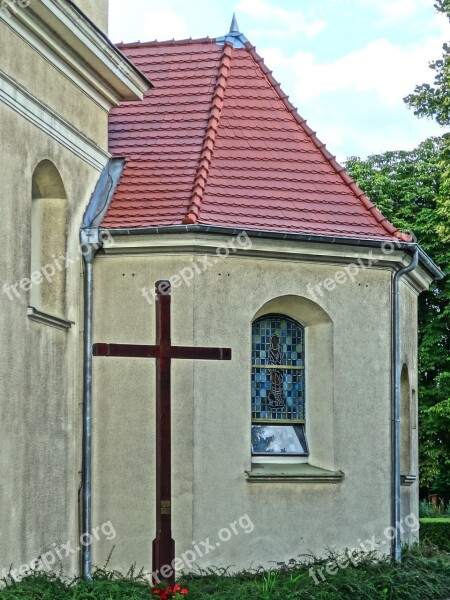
<point>405,422</point>
<point>319,372</point>
<point>49,216</point>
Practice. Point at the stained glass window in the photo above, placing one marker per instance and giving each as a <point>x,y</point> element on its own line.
<point>278,386</point>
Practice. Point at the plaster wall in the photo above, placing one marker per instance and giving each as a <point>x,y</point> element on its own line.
<point>348,384</point>
<point>40,366</point>
<point>47,82</point>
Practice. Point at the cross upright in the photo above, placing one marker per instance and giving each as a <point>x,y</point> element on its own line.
<point>163,551</point>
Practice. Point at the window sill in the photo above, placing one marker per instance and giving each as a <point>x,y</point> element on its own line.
<point>295,473</point>
<point>41,317</point>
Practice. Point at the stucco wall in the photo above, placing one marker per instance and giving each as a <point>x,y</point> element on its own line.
<point>47,82</point>
<point>211,412</point>
<point>40,366</point>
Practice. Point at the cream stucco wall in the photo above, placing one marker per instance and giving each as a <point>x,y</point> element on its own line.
<point>211,409</point>
<point>45,115</point>
<point>45,80</point>
<point>40,366</point>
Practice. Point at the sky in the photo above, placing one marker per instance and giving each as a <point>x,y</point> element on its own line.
<point>346,64</point>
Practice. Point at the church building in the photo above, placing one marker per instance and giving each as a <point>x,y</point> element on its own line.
<point>180,171</point>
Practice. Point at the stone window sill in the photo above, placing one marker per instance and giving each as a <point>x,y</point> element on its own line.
<point>41,317</point>
<point>293,473</point>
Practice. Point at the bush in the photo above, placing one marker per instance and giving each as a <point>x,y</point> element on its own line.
<point>429,510</point>
<point>437,532</point>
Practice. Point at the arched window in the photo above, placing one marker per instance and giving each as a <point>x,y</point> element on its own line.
<point>48,239</point>
<point>278,387</point>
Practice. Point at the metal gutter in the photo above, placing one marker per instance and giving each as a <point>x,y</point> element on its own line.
<point>92,240</point>
<point>424,259</point>
<point>103,193</point>
<point>395,393</point>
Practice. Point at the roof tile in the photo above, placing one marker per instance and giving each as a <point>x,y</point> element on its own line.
<point>218,143</point>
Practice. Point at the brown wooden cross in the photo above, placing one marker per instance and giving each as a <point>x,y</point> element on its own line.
<point>163,545</point>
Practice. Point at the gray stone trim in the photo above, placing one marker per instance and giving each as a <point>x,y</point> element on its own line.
<point>41,317</point>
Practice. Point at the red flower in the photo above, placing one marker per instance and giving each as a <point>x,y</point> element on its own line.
<point>166,594</point>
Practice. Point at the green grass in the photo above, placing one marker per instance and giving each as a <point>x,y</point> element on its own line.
<point>433,520</point>
<point>423,575</point>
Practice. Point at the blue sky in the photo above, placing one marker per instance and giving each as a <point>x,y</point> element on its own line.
<point>346,64</point>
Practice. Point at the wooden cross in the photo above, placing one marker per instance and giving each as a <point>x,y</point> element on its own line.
<point>163,552</point>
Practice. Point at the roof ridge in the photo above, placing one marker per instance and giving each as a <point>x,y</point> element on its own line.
<point>204,162</point>
<point>172,42</point>
<point>331,159</point>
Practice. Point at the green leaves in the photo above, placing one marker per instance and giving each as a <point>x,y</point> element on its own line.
<point>433,101</point>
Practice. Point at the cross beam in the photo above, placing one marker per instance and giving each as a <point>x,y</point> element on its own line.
<point>163,553</point>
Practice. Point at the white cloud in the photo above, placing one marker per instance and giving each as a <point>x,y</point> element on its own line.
<point>137,22</point>
<point>282,22</point>
<point>395,11</point>
<point>356,101</point>
<point>388,70</point>
<point>165,24</point>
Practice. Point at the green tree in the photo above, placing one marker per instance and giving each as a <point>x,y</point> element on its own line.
<point>405,186</point>
<point>433,101</point>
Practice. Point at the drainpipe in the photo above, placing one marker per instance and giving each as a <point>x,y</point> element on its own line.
<point>92,239</point>
<point>90,245</point>
<point>395,386</point>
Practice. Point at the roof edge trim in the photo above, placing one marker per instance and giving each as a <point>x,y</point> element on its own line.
<point>60,30</point>
<point>424,259</point>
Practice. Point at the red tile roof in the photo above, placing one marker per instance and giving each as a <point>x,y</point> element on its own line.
<point>218,143</point>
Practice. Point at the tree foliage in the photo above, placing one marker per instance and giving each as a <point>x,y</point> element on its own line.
<point>406,187</point>
<point>433,101</point>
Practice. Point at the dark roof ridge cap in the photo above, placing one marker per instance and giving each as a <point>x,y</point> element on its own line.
<point>215,112</point>
<point>331,159</point>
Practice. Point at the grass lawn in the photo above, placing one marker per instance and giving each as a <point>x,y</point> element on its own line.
<point>423,575</point>
<point>435,520</point>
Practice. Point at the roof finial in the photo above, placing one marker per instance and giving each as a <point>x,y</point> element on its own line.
<point>234,27</point>
<point>233,37</point>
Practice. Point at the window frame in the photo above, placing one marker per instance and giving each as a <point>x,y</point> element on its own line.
<point>286,422</point>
